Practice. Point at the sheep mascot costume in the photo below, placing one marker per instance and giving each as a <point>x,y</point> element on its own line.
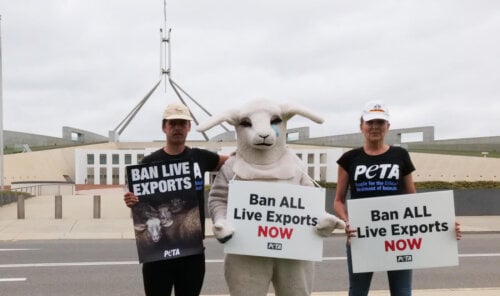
<point>262,155</point>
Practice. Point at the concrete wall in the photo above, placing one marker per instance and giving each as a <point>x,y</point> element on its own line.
<point>229,136</point>
<point>14,139</point>
<point>393,137</point>
<point>47,165</point>
<point>479,144</point>
<point>82,136</point>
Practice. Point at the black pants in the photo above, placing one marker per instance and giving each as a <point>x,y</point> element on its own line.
<point>184,274</point>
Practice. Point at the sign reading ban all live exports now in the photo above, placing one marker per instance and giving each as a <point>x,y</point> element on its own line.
<point>403,231</point>
<point>275,220</point>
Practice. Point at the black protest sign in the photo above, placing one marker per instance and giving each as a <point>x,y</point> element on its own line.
<point>166,218</point>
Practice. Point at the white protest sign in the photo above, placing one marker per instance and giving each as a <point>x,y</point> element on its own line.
<point>403,231</point>
<point>275,220</point>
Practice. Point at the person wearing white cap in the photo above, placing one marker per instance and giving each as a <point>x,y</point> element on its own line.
<point>379,162</point>
<point>184,274</point>
<point>375,161</point>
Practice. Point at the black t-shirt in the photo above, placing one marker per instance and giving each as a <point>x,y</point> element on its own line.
<point>376,175</point>
<point>207,161</point>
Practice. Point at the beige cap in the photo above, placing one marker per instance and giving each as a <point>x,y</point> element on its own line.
<point>177,111</point>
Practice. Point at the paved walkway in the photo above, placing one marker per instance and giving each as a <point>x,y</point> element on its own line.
<point>115,222</point>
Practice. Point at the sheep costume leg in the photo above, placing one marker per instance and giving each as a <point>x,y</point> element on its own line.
<point>262,155</point>
<point>251,276</point>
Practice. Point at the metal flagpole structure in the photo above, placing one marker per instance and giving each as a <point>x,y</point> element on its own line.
<point>165,74</point>
<point>167,71</point>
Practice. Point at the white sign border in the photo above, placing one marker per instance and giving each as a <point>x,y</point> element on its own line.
<point>436,249</point>
<point>304,244</point>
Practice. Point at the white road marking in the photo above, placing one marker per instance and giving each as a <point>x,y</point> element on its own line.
<point>14,250</point>
<point>480,255</point>
<point>12,279</point>
<point>106,263</point>
<point>65,264</point>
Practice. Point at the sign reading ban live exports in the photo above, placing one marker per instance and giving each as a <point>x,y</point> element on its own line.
<point>403,231</point>
<point>275,220</point>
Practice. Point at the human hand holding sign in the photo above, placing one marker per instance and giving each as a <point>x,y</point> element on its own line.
<point>130,199</point>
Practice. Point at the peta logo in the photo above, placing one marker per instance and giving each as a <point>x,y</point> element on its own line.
<point>404,258</point>
<point>381,171</point>
<point>274,246</point>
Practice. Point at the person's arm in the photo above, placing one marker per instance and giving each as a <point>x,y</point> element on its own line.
<point>339,203</point>
<point>409,185</point>
<point>222,160</point>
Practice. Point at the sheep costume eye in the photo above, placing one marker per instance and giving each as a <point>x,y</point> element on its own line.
<point>261,123</point>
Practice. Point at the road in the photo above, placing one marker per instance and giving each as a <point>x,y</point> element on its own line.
<point>110,267</point>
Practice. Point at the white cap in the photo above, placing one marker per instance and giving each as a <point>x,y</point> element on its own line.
<point>177,111</point>
<point>375,110</point>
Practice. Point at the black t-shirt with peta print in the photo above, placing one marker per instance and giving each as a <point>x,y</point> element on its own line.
<point>376,175</point>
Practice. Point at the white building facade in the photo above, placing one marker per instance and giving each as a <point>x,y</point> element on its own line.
<point>108,167</point>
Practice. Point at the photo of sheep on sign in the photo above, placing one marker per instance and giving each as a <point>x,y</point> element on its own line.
<point>166,218</point>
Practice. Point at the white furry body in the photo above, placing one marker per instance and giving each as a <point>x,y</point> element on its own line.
<point>261,155</point>
<point>251,275</point>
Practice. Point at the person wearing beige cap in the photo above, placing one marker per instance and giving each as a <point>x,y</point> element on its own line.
<point>375,161</point>
<point>183,274</point>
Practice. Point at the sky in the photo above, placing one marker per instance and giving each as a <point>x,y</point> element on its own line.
<point>87,63</point>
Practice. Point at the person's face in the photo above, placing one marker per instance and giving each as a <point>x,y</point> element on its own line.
<point>177,130</point>
<point>375,129</point>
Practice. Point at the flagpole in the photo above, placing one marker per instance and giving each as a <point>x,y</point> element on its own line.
<point>1,113</point>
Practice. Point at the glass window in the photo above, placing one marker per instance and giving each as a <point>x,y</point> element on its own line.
<point>322,158</point>
<point>90,176</point>
<point>90,158</point>
<point>102,176</point>
<point>115,159</point>
<point>128,158</point>
<point>116,176</point>
<point>322,173</point>
<point>310,171</point>
<point>310,158</point>
<point>102,158</point>
<point>140,157</point>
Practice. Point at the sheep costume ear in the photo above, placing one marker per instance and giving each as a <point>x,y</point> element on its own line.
<point>229,116</point>
<point>288,110</point>
<point>232,116</point>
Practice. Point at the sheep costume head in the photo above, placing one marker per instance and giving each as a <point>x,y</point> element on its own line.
<point>261,128</point>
